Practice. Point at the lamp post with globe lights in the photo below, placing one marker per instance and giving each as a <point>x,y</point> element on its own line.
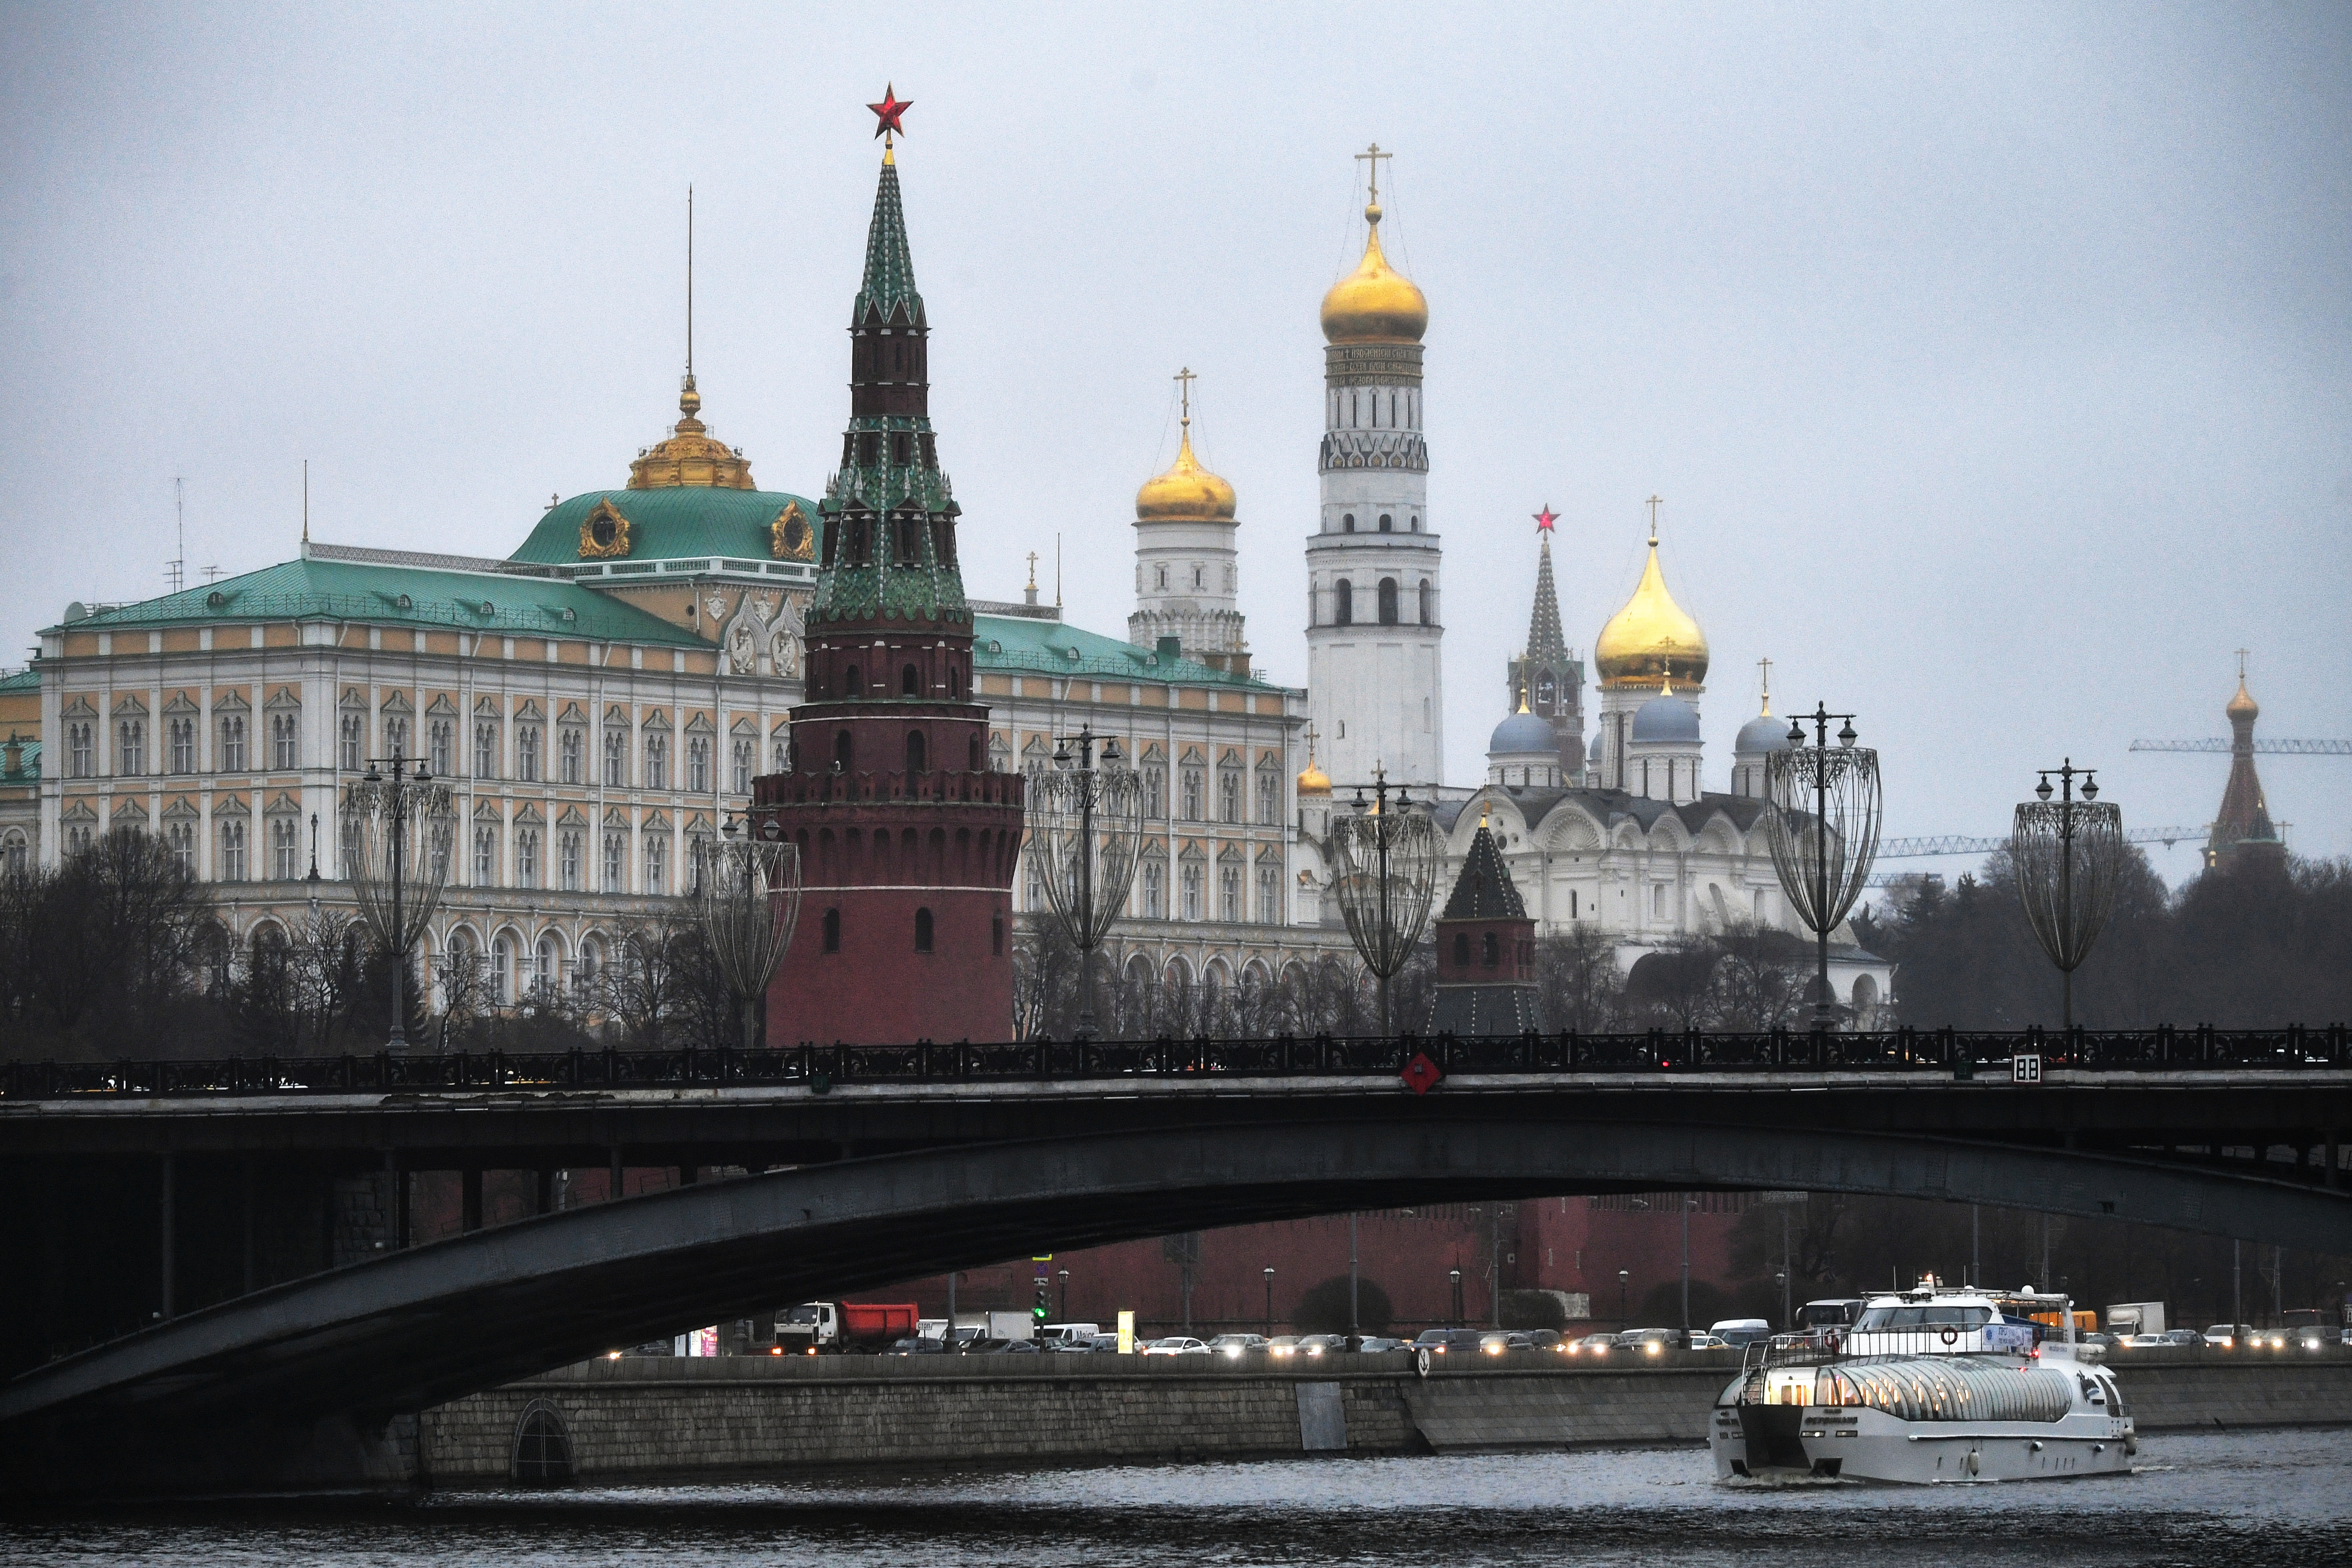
<point>2069,856</point>
<point>1823,829</point>
<point>1086,825</point>
<point>1388,856</point>
<point>398,834</point>
<point>747,901</point>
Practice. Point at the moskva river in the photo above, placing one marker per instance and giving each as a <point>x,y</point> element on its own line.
<point>2276,1500</point>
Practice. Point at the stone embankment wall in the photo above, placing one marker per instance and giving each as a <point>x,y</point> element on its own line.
<point>649,1417</point>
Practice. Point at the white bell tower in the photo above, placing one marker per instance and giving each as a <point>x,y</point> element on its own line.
<point>1374,623</point>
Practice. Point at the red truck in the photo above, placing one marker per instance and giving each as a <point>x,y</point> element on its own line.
<point>839,1328</point>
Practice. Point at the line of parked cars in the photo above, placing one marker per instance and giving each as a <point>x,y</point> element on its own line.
<point>2228,1337</point>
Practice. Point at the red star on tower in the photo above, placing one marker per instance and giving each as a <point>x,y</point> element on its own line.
<point>1545,518</point>
<point>888,111</point>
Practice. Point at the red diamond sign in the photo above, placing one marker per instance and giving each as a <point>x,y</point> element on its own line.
<point>1421,1075</point>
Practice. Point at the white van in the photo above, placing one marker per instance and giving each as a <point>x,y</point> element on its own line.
<point>1740,1332</point>
<point>1067,1336</point>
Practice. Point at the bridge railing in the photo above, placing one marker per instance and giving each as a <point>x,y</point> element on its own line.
<point>1954,1053</point>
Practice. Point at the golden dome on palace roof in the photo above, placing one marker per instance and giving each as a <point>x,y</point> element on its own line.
<point>1187,493</point>
<point>1313,780</point>
<point>1375,303</point>
<point>1652,639</point>
<point>691,455</point>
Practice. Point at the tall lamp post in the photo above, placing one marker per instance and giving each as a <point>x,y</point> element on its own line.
<point>1823,833</point>
<point>397,837</point>
<point>1456,1277</point>
<point>1624,1277</point>
<point>747,899</point>
<point>1269,1301</point>
<point>1387,854</point>
<point>1065,1294</point>
<point>2069,856</point>
<point>1086,825</point>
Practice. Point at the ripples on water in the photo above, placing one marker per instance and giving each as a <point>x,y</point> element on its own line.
<point>2281,1500</point>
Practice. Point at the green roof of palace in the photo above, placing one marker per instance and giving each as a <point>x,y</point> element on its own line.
<point>400,596</point>
<point>1015,644</point>
<point>672,523</point>
<point>26,679</point>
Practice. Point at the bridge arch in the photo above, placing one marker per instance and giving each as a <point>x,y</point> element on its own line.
<point>413,1329</point>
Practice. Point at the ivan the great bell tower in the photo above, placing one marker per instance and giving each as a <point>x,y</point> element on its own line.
<point>908,843</point>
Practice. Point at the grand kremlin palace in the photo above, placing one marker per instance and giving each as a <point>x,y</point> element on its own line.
<point>596,701</point>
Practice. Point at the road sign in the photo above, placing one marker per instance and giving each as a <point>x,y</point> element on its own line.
<point>2025,1068</point>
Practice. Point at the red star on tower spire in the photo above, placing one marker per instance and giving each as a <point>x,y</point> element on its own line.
<point>1545,518</point>
<point>888,113</point>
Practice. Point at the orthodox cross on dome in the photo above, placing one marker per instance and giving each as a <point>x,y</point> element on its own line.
<point>1765,666</point>
<point>1373,156</point>
<point>1654,503</point>
<point>1033,572</point>
<point>2241,665</point>
<point>1545,518</point>
<point>1184,379</point>
<point>888,113</point>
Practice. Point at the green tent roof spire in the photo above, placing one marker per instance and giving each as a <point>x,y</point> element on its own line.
<point>889,281</point>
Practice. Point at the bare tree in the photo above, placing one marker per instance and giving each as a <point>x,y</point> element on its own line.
<point>1577,987</point>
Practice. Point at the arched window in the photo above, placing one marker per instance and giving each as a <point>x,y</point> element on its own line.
<point>917,762</point>
<point>1343,603</point>
<point>1388,601</point>
<point>1388,523</point>
<point>1347,524</point>
<point>542,1449</point>
<point>955,688</point>
<point>910,682</point>
<point>971,754</point>
<point>833,930</point>
<point>1461,949</point>
<point>841,753</point>
<point>1490,951</point>
<point>1416,522</point>
<point>850,685</point>
<point>1428,601</point>
<point>922,931</point>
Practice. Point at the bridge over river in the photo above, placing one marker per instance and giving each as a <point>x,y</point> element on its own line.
<point>236,1236</point>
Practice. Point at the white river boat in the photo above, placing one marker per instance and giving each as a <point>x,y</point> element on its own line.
<point>1931,1386</point>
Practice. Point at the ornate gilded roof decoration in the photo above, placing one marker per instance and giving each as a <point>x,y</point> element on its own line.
<point>790,537</point>
<point>1187,493</point>
<point>1375,303</point>
<point>604,532</point>
<point>691,455</point>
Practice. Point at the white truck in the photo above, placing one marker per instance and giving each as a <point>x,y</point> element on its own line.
<point>2123,1318</point>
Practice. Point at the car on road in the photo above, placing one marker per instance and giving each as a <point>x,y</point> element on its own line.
<point>1282,1346</point>
<point>1702,1340</point>
<point>1593,1344</point>
<point>1740,1331</point>
<point>1381,1344</point>
<point>1322,1344</point>
<point>1235,1346</point>
<point>1102,1345</point>
<point>2317,1337</point>
<point>1442,1342</point>
<point>2140,1343</point>
<point>2181,1337</point>
<point>2229,1336</point>
<point>1502,1342</point>
<point>1177,1345</point>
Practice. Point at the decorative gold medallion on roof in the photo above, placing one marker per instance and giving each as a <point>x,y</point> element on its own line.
<point>691,457</point>
<point>604,532</point>
<point>790,537</point>
<point>1644,641</point>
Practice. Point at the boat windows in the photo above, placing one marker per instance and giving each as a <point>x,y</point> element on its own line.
<point>1879,1318</point>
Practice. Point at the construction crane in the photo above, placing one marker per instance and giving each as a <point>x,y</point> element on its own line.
<point>1958,844</point>
<point>2272,748</point>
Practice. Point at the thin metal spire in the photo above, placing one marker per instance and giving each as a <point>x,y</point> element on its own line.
<point>689,281</point>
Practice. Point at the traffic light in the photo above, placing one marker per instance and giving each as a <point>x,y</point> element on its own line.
<point>1039,1310</point>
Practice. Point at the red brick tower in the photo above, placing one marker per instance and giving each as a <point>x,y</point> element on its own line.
<point>908,843</point>
<point>1485,951</point>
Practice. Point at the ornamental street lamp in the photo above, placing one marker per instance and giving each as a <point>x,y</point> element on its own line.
<point>1065,1294</point>
<point>1388,855</point>
<point>1086,825</point>
<point>747,901</point>
<point>1456,1275</point>
<point>1624,1277</point>
<point>1823,828</point>
<point>2069,856</point>
<point>397,836</point>
<point>1269,1301</point>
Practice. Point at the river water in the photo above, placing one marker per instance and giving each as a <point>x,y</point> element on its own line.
<point>2280,1499</point>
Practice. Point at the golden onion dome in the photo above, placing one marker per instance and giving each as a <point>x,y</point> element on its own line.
<point>1651,640</point>
<point>2242,706</point>
<point>691,455</point>
<point>1187,493</point>
<point>1375,303</point>
<point>1313,780</point>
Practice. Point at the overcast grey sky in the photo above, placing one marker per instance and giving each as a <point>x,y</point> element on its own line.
<point>1992,361</point>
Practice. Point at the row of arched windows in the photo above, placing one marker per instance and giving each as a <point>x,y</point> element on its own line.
<point>1387,523</point>
<point>1343,603</point>
<point>910,682</point>
<point>925,932</point>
